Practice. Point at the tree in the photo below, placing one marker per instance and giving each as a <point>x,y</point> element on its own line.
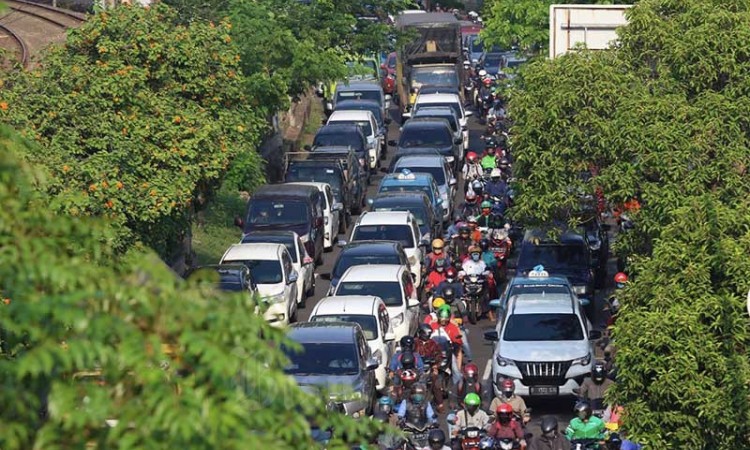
<point>90,335</point>
<point>138,119</point>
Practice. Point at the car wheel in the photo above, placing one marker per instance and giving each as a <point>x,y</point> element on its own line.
<point>293,316</point>
<point>310,292</point>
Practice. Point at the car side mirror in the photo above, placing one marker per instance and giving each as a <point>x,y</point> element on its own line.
<point>338,206</point>
<point>293,277</point>
<point>389,337</point>
<point>239,223</point>
<point>452,182</point>
<point>495,303</point>
<point>392,143</point>
<point>491,335</point>
<point>424,243</point>
<point>469,113</point>
<point>595,335</point>
<point>413,303</point>
<point>372,364</point>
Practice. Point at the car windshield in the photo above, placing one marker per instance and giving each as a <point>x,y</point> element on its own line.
<point>437,172</point>
<point>408,188</point>
<point>347,261</point>
<point>433,77</point>
<point>389,291</point>
<point>400,233</point>
<point>454,106</point>
<point>323,359</point>
<point>315,174</point>
<point>264,271</point>
<point>543,327</point>
<point>557,257</point>
<point>363,106</point>
<point>425,137</point>
<point>339,139</point>
<point>365,125</point>
<point>358,95</point>
<point>425,112</point>
<point>476,45</point>
<point>368,323</point>
<point>539,290</point>
<point>513,63</point>
<point>287,241</point>
<point>271,212</point>
<point>231,285</point>
<point>493,61</point>
<point>419,212</point>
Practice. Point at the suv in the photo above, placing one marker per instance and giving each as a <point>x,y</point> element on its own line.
<point>444,112</point>
<point>362,90</point>
<point>365,252</point>
<point>417,203</point>
<point>429,133</point>
<point>408,181</point>
<point>344,134</point>
<point>329,171</point>
<point>358,176</point>
<point>543,344</point>
<point>440,171</point>
<point>335,356</point>
<point>451,100</point>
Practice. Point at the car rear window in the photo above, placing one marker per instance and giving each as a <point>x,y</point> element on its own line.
<point>399,233</point>
<point>347,261</point>
<point>556,257</point>
<point>425,137</point>
<point>358,95</point>
<point>543,327</point>
<point>368,323</point>
<point>264,271</point>
<point>389,291</point>
<point>287,241</point>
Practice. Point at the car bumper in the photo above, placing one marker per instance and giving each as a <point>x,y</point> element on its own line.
<point>276,315</point>
<point>573,381</point>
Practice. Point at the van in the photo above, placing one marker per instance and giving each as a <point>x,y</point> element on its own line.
<point>348,158</point>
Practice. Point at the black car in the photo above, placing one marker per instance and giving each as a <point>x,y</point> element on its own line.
<point>430,133</point>
<point>359,177</point>
<point>567,256</point>
<point>344,134</point>
<point>329,171</point>
<point>492,62</point>
<point>366,252</point>
<point>226,277</point>
<point>416,203</point>
<point>287,207</point>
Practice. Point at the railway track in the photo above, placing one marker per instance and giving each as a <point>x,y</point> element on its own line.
<point>27,27</point>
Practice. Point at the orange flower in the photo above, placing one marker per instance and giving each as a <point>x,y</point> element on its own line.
<point>65,168</point>
<point>119,185</point>
<point>152,193</point>
<point>105,185</point>
<point>109,204</point>
<point>144,185</point>
<point>177,119</point>
<point>227,38</point>
<point>92,187</point>
<point>4,106</point>
<point>6,301</point>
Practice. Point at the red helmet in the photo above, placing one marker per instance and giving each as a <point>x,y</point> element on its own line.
<point>621,277</point>
<point>508,384</point>
<point>471,370</point>
<point>471,197</point>
<point>408,376</point>
<point>504,408</point>
<point>487,82</point>
<point>450,272</point>
<point>471,156</point>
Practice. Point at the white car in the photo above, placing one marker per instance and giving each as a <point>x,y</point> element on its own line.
<point>371,314</point>
<point>391,282</point>
<point>451,100</point>
<point>543,343</point>
<point>366,120</point>
<point>400,226</point>
<point>274,275</point>
<point>332,211</point>
<point>301,261</point>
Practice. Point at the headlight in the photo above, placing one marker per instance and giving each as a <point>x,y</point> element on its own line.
<point>502,362</point>
<point>276,298</point>
<point>397,320</point>
<point>304,238</point>
<point>579,290</point>
<point>595,246</point>
<point>584,361</point>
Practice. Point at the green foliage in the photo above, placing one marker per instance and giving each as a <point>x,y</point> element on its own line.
<point>662,118</point>
<point>137,117</point>
<point>90,336</point>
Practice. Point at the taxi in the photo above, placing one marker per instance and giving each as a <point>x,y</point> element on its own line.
<point>536,285</point>
<point>408,181</point>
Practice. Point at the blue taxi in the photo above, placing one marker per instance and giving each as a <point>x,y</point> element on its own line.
<point>536,285</point>
<point>408,181</point>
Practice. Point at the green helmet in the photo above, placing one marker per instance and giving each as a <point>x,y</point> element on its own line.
<point>486,204</point>
<point>472,400</point>
<point>444,312</point>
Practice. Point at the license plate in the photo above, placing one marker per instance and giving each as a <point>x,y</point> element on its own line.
<point>544,390</point>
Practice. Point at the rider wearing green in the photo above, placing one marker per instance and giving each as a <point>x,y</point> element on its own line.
<point>585,426</point>
<point>489,160</point>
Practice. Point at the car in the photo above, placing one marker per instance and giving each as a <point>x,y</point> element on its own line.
<point>432,132</point>
<point>408,181</point>
<point>357,177</point>
<point>335,361</point>
<point>330,171</point>
<point>362,90</point>
<point>567,256</point>
<point>301,261</point>
<point>287,207</point>
<point>366,105</point>
<point>492,62</point>
<point>474,48</point>
<point>447,113</point>
<point>371,314</point>
<point>537,283</point>
<point>416,203</point>
<point>389,73</point>
<point>451,100</point>
<point>543,344</point>
<point>366,252</point>
<point>225,277</point>
<point>513,61</point>
<point>331,212</point>
<point>347,135</point>
<point>274,275</point>
<point>435,75</point>
<point>370,128</point>
<point>393,284</point>
<point>441,172</point>
<point>397,226</point>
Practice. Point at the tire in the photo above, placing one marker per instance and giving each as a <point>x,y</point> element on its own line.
<point>473,314</point>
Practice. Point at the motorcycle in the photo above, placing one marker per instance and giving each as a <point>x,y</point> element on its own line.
<point>584,444</point>
<point>474,292</point>
<point>507,444</point>
<point>417,434</point>
<point>469,385</point>
<point>471,437</point>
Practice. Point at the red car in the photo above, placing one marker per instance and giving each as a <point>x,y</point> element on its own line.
<point>389,73</point>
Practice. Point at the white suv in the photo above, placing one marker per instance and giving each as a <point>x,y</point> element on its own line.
<point>543,344</point>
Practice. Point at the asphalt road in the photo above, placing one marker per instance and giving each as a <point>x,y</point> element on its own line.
<point>482,350</point>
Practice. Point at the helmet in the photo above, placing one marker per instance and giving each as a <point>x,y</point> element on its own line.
<point>598,373</point>
<point>490,148</point>
<point>614,442</point>
<point>464,230</point>
<point>504,412</point>
<point>475,249</point>
<point>444,313</point>
<point>471,219</point>
<point>549,424</point>
<point>472,400</point>
<point>496,173</point>
<point>449,294</point>
<point>471,370</point>
<point>407,343</point>
<point>408,360</point>
<point>408,376</point>
<point>482,73</point>
<point>425,331</point>
<point>484,244</point>
<point>437,302</point>
<point>470,197</point>
<point>583,410</point>
<point>436,439</point>
<point>486,204</point>
<point>450,273</point>
<point>385,404</point>
<point>471,156</point>
<point>477,186</point>
<point>438,244</point>
<point>440,264</point>
<point>508,387</point>
<point>504,163</point>
<point>487,82</point>
<point>620,279</point>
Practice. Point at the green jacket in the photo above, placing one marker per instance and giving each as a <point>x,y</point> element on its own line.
<point>591,429</point>
<point>488,162</point>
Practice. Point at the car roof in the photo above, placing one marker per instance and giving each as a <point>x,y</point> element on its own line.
<point>427,110</point>
<point>319,185</point>
<point>339,128</point>
<point>283,190</point>
<point>564,304</point>
<point>539,281</point>
<point>360,85</point>
<point>323,332</point>
<point>437,121</point>
<point>419,178</point>
<point>421,160</point>
<point>371,247</point>
<point>348,304</point>
<point>359,115</point>
<point>437,98</point>
<point>385,218</point>
<point>261,251</point>
<point>289,234</point>
<point>373,272</point>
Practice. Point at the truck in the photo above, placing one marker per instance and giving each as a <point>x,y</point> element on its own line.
<point>433,58</point>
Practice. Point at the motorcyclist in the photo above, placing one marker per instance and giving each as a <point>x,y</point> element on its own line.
<point>451,281</point>
<point>469,380</point>
<point>504,166</point>
<point>594,388</point>
<point>496,187</point>
<point>470,206</point>
<point>407,347</point>
<point>613,304</point>
<point>474,265</point>
<point>460,244</point>
<point>453,228</point>
<point>448,334</point>
<point>436,440</point>
<point>385,410</point>
<point>460,316</point>
<point>487,217</point>
<point>516,402</point>
<point>489,160</point>
<point>438,252</point>
<point>474,232</point>
<point>506,427</point>
<point>487,255</point>
<point>585,425</point>
<point>485,93</point>
<point>551,438</point>
<point>470,415</point>
<point>436,276</point>
<point>472,169</point>
<point>430,350</point>
<point>416,409</point>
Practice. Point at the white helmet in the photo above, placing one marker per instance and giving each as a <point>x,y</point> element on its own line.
<point>495,173</point>
<point>482,73</point>
<point>473,14</point>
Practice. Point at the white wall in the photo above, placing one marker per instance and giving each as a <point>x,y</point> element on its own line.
<point>592,25</point>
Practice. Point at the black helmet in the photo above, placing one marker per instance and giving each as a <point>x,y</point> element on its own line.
<point>436,439</point>
<point>599,372</point>
<point>484,244</point>
<point>425,331</point>
<point>407,360</point>
<point>449,294</point>
<point>549,424</point>
<point>614,442</point>
<point>583,410</point>
<point>464,230</point>
<point>407,343</point>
